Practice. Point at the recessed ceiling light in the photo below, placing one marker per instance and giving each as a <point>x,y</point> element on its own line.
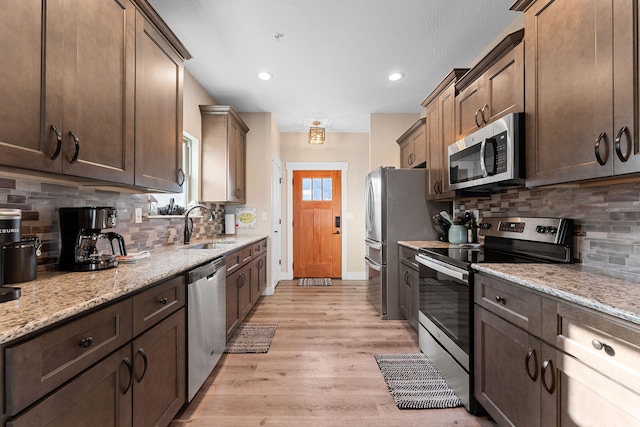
<point>265,76</point>
<point>395,76</point>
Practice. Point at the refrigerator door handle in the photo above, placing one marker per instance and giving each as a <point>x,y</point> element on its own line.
<point>373,244</point>
<point>373,265</point>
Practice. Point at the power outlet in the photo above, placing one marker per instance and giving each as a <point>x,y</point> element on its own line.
<point>138,215</point>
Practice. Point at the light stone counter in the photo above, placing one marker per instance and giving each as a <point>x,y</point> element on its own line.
<point>575,283</point>
<point>417,244</point>
<point>55,296</point>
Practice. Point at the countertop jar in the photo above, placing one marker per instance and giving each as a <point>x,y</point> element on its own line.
<point>457,234</point>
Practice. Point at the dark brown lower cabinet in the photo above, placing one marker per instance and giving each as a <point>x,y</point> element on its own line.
<point>246,280</point>
<point>101,396</point>
<point>543,362</point>
<point>159,372</point>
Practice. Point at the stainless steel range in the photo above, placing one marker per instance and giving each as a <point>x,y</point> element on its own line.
<point>446,288</point>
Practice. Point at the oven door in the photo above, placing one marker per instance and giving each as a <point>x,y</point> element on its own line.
<point>445,307</point>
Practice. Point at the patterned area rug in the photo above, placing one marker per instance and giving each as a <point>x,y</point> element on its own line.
<point>415,383</point>
<point>314,282</point>
<point>252,338</point>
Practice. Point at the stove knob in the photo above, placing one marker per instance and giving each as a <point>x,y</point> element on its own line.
<point>552,230</point>
<point>484,225</point>
<point>540,229</point>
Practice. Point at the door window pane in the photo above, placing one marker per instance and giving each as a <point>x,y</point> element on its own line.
<point>306,188</point>
<point>326,189</point>
<point>317,188</point>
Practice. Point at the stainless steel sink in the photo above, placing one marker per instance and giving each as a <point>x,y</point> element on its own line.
<point>209,245</point>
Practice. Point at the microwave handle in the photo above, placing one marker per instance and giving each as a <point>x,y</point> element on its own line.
<point>483,151</point>
<point>483,165</point>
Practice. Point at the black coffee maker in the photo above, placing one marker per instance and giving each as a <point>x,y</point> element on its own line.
<point>85,247</point>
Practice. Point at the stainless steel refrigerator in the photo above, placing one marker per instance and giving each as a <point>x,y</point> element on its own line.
<point>395,209</point>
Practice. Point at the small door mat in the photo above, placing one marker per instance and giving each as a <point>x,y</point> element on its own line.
<point>314,282</point>
<point>415,383</point>
<point>252,338</point>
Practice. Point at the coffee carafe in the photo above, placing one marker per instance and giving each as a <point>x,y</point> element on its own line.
<point>85,247</point>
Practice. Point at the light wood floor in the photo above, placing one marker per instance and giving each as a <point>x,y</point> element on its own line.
<point>320,369</point>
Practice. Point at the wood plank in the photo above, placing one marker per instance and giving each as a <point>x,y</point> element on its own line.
<point>320,369</point>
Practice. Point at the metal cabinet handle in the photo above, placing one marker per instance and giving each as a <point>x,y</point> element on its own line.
<point>58,142</point>
<point>501,300</point>
<point>599,345</point>
<point>548,363</point>
<point>623,131</point>
<point>531,353</point>
<point>484,119</point>
<point>602,136</point>
<point>181,177</point>
<point>77,151</point>
<point>129,365</point>
<point>86,342</point>
<point>163,301</point>
<point>242,280</point>
<point>475,117</point>
<point>146,362</point>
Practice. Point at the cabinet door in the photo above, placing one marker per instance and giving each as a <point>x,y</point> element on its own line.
<point>240,165</point>
<point>158,106</point>
<point>503,86</point>
<point>159,385</point>
<point>27,138</point>
<point>404,290</point>
<point>575,395</point>
<point>469,108</point>
<point>434,150</point>
<point>406,154</point>
<point>447,106</point>
<point>233,311</point>
<point>98,89</point>
<point>239,297</point>
<point>570,87</point>
<point>101,396</point>
<point>419,147</point>
<point>507,364</point>
<point>414,278</point>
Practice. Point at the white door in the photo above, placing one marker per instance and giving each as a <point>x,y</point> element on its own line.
<point>276,227</point>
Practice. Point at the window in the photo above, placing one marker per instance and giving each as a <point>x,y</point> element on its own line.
<point>316,189</point>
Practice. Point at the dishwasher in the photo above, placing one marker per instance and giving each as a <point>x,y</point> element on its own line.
<point>206,321</point>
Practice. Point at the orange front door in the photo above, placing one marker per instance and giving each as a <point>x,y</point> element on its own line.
<point>317,226</point>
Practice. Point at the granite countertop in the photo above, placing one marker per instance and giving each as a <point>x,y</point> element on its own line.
<point>417,244</point>
<point>57,295</point>
<point>585,286</point>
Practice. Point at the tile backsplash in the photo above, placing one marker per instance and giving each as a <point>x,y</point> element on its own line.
<point>39,202</point>
<point>606,219</point>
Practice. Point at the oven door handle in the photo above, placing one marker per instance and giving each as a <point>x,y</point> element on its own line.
<point>373,265</point>
<point>443,268</point>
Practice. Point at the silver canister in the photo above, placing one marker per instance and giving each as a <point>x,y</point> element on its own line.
<point>10,221</point>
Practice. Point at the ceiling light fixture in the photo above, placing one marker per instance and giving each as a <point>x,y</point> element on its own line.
<point>394,77</point>
<point>265,76</point>
<point>316,134</point>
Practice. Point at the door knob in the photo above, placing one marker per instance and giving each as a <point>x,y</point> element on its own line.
<point>337,232</point>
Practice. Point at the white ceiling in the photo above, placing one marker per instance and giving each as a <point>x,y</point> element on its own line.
<point>332,62</point>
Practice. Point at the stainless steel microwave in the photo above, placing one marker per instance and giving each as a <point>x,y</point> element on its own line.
<point>490,159</point>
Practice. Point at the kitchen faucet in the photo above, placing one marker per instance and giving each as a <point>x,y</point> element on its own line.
<point>188,222</point>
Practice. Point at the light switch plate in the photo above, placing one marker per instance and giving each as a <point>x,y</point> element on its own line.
<point>138,215</point>
<point>264,216</point>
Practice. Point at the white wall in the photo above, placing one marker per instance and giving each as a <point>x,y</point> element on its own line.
<point>385,131</point>
<point>194,96</point>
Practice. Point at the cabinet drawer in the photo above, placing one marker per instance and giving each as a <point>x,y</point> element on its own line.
<point>513,303</point>
<point>238,259</point>
<point>155,304</point>
<point>41,364</point>
<point>605,344</point>
<point>408,256</point>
